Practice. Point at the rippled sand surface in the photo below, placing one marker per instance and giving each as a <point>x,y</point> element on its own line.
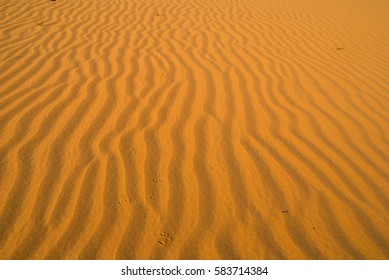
<point>194,129</point>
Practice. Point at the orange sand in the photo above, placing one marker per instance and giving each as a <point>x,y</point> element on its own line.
<point>194,129</point>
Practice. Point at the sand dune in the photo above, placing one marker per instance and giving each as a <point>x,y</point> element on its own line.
<point>194,129</point>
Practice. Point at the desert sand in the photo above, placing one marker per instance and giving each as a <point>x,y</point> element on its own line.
<point>194,129</point>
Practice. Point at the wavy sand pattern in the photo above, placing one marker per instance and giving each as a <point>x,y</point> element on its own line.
<point>177,129</point>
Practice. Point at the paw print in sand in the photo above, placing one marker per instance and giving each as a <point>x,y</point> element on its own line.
<point>164,239</point>
<point>124,199</point>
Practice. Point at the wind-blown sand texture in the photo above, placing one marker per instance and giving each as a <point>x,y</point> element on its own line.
<point>194,129</point>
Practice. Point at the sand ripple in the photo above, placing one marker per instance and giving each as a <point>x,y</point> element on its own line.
<point>193,130</point>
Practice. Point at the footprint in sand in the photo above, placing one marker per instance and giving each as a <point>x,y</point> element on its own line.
<point>164,239</point>
<point>153,196</point>
<point>156,179</point>
<point>40,22</point>
<point>124,199</point>
<point>133,151</point>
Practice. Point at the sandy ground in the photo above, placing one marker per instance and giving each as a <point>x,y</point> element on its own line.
<point>194,129</point>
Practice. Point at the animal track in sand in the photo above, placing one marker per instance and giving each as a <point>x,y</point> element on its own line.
<point>153,196</point>
<point>162,76</point>
<point>164,239</point>
<point>161,113</point>
<point>157,179</point>
<point>124,199</point>
<point>132,152</point>
<point>41,21</point>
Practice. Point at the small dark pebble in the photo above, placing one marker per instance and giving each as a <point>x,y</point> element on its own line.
<point>339,49</point>
<point>285,211</point>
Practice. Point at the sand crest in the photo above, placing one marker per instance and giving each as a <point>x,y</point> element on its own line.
<point>194,129</point>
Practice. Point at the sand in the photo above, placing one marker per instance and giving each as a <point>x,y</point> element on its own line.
<point>194,129</point>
